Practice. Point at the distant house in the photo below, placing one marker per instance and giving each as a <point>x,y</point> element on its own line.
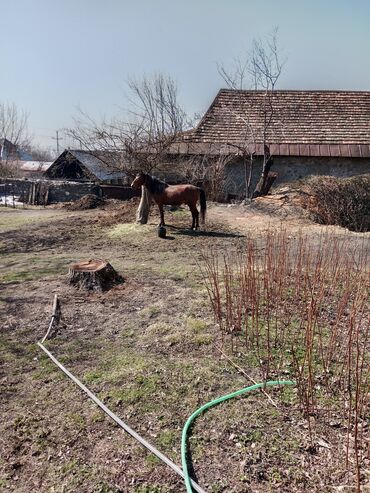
<point>11,152</point>
<point>19,162</point>
<point>77,165</point>
<point>33,169</point>
<point>7,150</point>
<point>311,132</point>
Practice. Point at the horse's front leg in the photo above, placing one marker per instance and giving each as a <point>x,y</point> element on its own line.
<point>193,222</point>
<point>161,214</point>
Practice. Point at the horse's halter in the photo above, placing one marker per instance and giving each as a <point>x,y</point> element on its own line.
<point>137,177</point>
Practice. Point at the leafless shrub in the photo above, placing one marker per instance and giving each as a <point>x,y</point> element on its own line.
<point>341,201</point>
<point>209,171</point>
<point>9,169</point>
<point>300,309</point>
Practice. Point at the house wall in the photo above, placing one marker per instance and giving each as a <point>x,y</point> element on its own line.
<point>32,175</point>
<point>292,168</point>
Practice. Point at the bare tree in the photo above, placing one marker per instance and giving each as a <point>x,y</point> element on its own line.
<point>13,136</point>
<point>235,77</point>
<point>260,70</point>
<point>266,70</point>
<point>139,138</point>
<point>142,134</point>
<point>13,125</point>
<point>38,153</point>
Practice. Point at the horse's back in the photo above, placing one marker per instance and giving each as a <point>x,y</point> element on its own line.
<point>180,194</point>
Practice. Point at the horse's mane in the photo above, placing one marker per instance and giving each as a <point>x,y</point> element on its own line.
<point>154,185</point>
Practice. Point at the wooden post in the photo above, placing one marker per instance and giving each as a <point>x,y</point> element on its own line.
<point>143,210</point>
<point>55,317</point>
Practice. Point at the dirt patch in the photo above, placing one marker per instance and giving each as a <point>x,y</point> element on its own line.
<point>120,212</point>
<point>88,201</point>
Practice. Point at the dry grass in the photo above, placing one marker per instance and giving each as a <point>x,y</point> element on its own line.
<point>146,348</point>
<point>298,309</point>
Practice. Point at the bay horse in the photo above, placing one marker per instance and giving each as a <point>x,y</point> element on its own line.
<point>164,194</point>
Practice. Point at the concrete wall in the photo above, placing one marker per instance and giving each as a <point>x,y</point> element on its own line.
<point>8,186</point>
<point>63,191</point>
<point>291,168</point>
<point>57,191</point>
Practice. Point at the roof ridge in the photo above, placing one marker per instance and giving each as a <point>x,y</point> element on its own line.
<point>302,117</point>
<point>336,91</point>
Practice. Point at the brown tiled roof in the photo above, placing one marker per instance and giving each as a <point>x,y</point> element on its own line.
<point>304,123</point>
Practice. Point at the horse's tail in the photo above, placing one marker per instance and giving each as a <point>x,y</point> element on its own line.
<point>203,205</point>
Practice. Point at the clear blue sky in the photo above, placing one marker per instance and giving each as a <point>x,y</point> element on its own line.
<point>60,54</point>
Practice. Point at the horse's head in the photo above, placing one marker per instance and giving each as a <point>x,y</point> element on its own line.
<point>139,180</point>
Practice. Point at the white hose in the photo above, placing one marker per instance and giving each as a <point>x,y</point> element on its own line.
<point>123,425</point>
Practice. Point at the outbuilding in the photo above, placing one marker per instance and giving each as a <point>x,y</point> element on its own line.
<point>87,166</point>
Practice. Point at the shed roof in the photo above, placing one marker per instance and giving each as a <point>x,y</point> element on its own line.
<point>308,123</point>
<point>100,165</point>
<point>102,168</point>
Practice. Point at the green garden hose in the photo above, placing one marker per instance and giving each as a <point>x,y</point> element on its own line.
<point>207,406</point>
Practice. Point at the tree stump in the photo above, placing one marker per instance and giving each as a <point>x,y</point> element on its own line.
<point>93,275</point>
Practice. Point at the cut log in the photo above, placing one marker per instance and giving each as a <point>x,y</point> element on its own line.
<point>93,275</point>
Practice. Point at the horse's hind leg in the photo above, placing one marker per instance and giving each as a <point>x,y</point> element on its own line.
<point>195,215</point>
<point>196,218</point>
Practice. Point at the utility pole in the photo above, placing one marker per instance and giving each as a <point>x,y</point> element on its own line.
<point>57,138</point>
